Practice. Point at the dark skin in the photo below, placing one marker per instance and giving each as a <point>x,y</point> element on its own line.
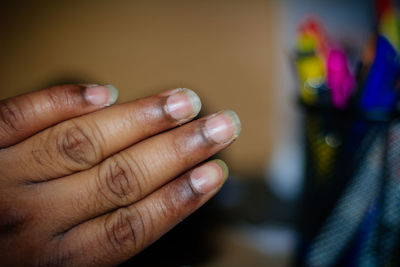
<point>84,183</point>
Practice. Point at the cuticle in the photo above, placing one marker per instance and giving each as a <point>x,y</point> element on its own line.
<point>207,136</point>
<point>167,113</point>
<point>164,108</point>
<point>174,91</point>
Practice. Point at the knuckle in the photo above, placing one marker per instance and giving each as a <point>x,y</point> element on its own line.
<point>120,180</point>
<point>182,149</point>
<point>53,258</point>
<point>11,116</point>
<point>144,112</point>
<point>125,229</point>
<point>64,97</point>
<point>13,220</point>
<point>178,200</point>
<point>75,145</point>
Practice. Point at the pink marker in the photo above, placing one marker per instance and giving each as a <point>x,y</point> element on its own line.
<point>339,79</point>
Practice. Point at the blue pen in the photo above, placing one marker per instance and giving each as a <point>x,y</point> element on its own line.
<point>380,95</point>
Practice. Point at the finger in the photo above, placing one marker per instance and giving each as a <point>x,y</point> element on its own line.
<point>25,115</point>
<point>80,143</point>
<point>115,237</point>
<point>137,171</point>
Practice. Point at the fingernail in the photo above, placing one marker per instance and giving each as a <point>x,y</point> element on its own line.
<point>101,95</point>
<point>222,127</point>
<point>209,176</point>
<point>182,104</point>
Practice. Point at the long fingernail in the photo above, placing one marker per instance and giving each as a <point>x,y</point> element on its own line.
<point>101,95</point>
<point>183,104</point>
<point>222,127</point>
<point>209,176</point>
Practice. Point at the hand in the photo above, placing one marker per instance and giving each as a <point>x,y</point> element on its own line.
<point>86,184</point>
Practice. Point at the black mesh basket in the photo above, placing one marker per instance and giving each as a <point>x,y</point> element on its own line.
<point>350,208</point>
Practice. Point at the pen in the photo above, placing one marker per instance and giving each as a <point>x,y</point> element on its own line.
<point>339,79</point>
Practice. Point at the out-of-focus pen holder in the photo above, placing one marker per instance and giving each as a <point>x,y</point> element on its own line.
<point>335,143</point>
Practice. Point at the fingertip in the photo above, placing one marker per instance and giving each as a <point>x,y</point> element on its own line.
<point>222,127</point>
<point>182,104</point>
<point>194,100</point>
<point>113,94</point>
<point>209,176</point>
<point>223,166</point>
<point>101,95</point>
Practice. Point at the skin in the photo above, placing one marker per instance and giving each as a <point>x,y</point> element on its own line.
<point>87,184</point>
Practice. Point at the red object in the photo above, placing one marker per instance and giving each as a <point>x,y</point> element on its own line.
<point>382,7</point>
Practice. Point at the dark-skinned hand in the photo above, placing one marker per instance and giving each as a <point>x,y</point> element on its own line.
<point>87,183</point>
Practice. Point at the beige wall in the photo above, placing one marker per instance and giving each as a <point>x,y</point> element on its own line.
<point>225,50</point>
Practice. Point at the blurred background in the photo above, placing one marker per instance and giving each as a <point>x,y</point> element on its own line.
<point>236,54</point>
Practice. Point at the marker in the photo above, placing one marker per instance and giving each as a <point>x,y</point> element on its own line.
<point>339,79</point>
<point>379,94</point>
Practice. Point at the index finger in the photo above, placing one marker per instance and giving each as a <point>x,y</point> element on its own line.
<point>81,143</point>
<point>25,115</point>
